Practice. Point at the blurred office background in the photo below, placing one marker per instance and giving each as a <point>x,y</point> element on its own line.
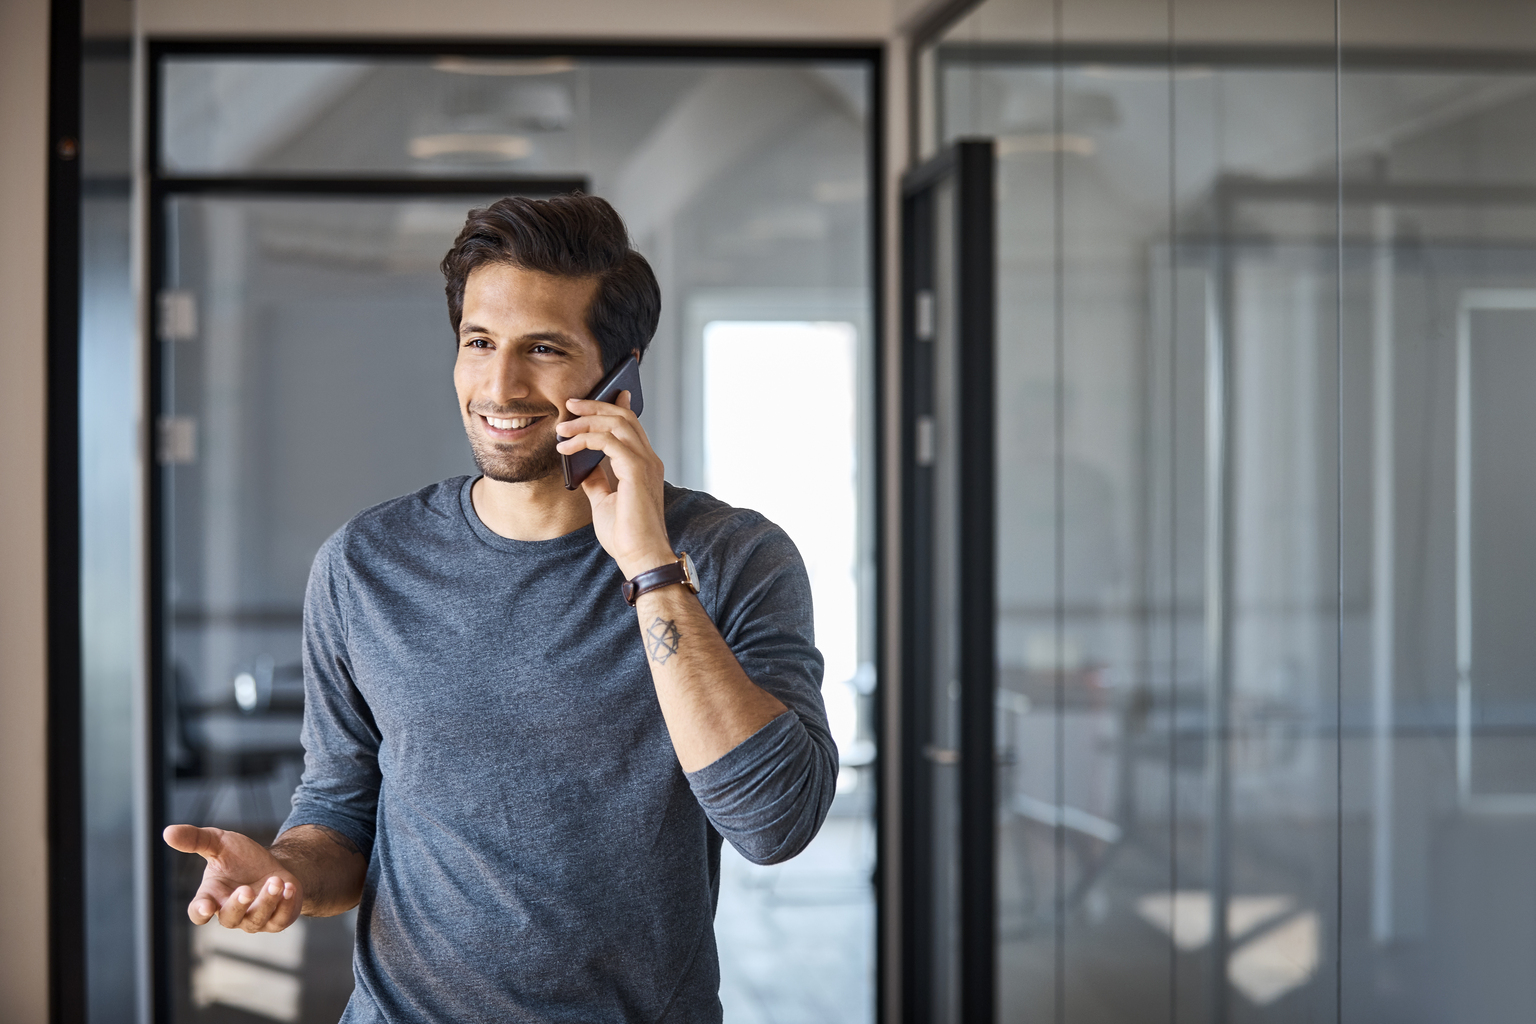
<point>1264,327</point>
<point>1259,719</point>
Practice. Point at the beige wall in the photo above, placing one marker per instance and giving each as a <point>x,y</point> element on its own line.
<point>609,19</point>
<point>23,854</point>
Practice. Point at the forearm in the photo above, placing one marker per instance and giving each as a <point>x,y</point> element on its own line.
<point>328,865</point>
<point>708,702</point>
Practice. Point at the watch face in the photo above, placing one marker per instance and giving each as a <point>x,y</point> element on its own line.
<point>692,577</point>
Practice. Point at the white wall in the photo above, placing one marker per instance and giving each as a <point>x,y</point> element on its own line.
<point>23,171</point>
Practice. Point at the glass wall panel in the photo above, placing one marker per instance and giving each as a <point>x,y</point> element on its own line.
<point>1167,518</point>
<point>1264,329</point>
<point>110,526</point>
<point>305,373</point>
<point>1439,309</point>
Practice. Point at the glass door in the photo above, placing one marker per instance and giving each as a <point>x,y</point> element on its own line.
<point>948,587</point>
<point>302,371</point>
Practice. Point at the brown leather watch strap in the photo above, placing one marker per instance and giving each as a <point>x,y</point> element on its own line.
<point>664,576</point>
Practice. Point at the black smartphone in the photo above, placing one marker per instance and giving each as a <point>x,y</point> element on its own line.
<point>625,377</point>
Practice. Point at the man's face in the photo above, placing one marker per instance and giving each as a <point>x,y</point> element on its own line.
<point>524,348</point>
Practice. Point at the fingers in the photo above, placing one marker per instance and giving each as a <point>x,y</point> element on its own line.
<point>287,910</point>
<point>583,407</point>
<point>269,910</point>
<point>615,424</point>
<point>593,427</point>
<point>628,461</point>
<point>204,905</point>
<point>232,910</point>
<point>601,484</point>
<point>601,422</point>
<point>592,417</point>
<point>270,905</point>
<point>190,839</point>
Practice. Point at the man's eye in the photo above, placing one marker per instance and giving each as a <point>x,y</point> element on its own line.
<point>477,343</point>
<point>545,349</point>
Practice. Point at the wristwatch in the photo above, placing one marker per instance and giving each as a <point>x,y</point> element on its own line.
<point>680,571</point>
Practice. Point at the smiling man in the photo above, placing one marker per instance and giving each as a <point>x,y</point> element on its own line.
<point>519,772</point>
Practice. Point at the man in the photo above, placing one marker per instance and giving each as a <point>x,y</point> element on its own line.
<point>520,780</point>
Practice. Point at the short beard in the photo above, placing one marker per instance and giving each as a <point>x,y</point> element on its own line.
<point>507,466</point>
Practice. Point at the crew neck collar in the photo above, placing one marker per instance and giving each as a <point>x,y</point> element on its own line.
<point>578,539</point>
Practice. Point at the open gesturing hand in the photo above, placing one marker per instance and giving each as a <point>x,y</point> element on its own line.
<point>243,884</point>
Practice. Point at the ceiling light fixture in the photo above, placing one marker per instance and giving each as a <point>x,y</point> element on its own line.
<point>482,66</point>
<point>482,145</point>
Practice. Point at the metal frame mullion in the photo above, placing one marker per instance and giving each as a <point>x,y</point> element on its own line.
<point>916,860</point>
<point>975,268</point>
<point>970,165</point>
<point>64,931</point>
<point>157,857</point>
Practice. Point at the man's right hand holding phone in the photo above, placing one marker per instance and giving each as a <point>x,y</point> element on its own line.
<point>311,870</point>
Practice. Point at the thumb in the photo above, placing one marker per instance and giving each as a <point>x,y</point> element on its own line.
<point>190,839</point>
<point>600,483</point>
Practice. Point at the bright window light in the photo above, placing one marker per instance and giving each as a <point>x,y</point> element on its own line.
<point>780,437</point>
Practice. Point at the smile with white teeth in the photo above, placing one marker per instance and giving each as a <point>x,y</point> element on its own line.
<point>516,423</point>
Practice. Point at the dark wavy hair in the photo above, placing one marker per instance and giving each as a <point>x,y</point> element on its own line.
<point>569,236</point>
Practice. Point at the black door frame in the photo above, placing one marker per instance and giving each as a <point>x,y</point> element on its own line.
<point>163,187</point>
<point>969,164</point>
<point>65,933</point>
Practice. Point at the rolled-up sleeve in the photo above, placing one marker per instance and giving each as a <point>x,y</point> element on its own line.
<point>769,795</point>
<point>340,785</point>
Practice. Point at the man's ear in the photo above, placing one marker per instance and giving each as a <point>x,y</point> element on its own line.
<point>636,353</point>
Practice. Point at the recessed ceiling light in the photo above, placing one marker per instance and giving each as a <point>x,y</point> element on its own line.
<point>482,66</point>
<point>471,144</point>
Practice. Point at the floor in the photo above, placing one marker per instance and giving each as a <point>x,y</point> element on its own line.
<point>797,939</point>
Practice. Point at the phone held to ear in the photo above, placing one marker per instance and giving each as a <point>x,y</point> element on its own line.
<point>625,377</point>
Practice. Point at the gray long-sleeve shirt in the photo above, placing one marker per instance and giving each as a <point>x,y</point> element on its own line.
<point>480,720</point>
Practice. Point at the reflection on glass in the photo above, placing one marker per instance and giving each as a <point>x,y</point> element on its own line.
<point>1496,361</point>
<point>110,639</point>
<point>233,115</point>
<point>305,373</point>
<point>1286,702</point>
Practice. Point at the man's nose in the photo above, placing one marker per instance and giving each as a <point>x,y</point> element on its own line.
<point>509,378</point>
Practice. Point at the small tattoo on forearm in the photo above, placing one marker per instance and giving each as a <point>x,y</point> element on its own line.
<point>661,640</point>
